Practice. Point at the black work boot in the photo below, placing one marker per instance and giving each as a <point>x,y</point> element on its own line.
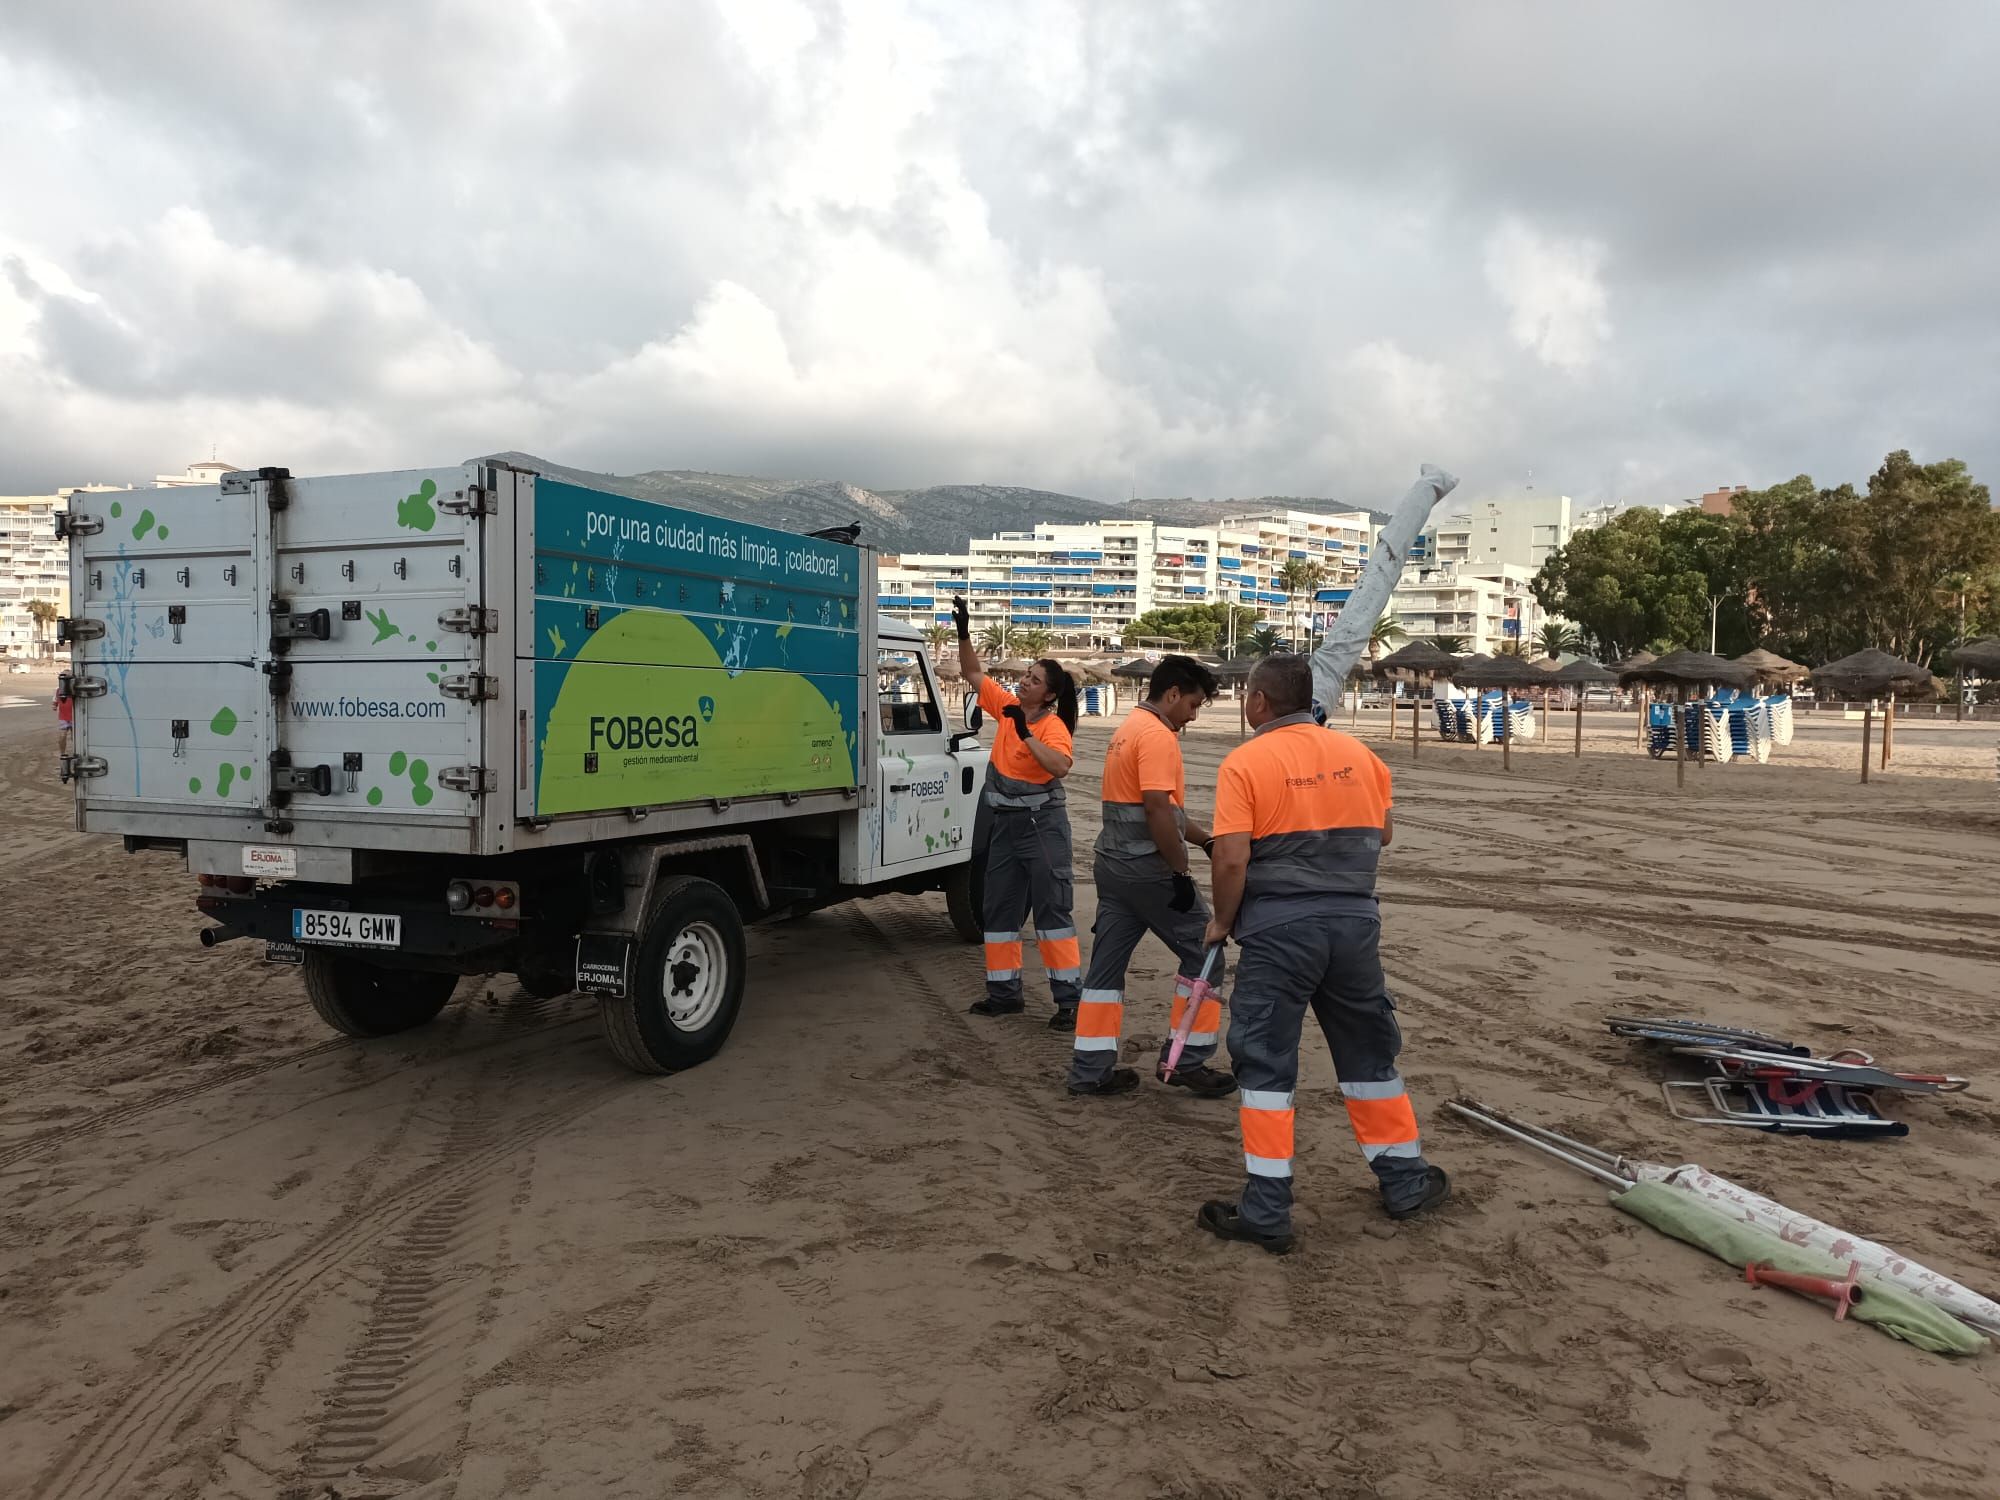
<point>1225,1223</point>
<point>1201,1080</point>
<point>1064,1019</point>
<point>991,1007</point>
<point>1117,1081</point>
<point>1420,1195</point>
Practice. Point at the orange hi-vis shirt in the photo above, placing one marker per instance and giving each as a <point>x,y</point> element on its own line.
<point>1143,756</point>
<point>1314,802</point>
<point>1011,760</point>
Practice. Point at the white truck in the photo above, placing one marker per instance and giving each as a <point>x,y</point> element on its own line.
<point>410,726</point>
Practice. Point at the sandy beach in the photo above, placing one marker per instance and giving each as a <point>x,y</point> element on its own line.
<point>873,1249</point>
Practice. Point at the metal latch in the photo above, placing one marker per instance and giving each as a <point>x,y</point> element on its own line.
<point>280,673</point>
<point>470,501</point>
<point>314,625</point>
<point>475,780</point>
<point>69,685</point>
<point>239,482</point>
<point>470,620</point>
<point>77,628</point>
<point>286,777</point>
<point>69,524</point>
<point>77,767</point>
<point>474,687</point>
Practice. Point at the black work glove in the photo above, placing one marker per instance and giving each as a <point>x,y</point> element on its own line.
<point>961,618</point>
<point>1014,714</point>
<point>1183,897</point>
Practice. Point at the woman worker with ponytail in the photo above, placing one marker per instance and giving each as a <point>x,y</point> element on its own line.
<point>1028,858</point>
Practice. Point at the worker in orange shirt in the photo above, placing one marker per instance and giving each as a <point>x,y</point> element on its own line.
<point>1301,816</point>
<point>1143,885</point>
<point>1028,855</point>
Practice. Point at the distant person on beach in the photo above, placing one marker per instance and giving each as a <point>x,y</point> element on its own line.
<point>1301,817</point>
<point>65,721</point>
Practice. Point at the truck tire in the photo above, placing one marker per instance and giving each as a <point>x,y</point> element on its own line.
<point>964,895</point>
<point>359,999</point>
<point>687,980</point>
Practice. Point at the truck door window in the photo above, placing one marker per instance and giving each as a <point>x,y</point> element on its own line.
<point>903,691</point>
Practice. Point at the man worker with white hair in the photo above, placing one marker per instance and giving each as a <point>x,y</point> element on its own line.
<point>1302,814</point>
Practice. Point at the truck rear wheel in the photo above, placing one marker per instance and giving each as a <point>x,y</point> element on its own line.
<point>964,900</point>
<point>357,998</point>
<point>687,980</point>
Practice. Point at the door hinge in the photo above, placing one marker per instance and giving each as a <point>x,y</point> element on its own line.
<point>470,620</point>
<point>473,500</point>
<point>475,781</point>
<point>77,628</point>
<point>242,480</point>
<point>280,673</point>
<point>78,767</point>
<point>474,687</point>
<point>69,524</point>
<point>69,685</point>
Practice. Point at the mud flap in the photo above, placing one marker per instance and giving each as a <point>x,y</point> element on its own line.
<point>603,963</point>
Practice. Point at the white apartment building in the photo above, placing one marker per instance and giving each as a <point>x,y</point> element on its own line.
<point>33,565</point>
<point>1485,607</point>
<point>1087,583</point>
<point>209,471</point>
<point>1515,531</point>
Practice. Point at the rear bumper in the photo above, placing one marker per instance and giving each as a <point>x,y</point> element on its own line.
<point>428,934</point>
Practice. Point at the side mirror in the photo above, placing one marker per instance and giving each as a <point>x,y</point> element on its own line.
<point>975,716</point>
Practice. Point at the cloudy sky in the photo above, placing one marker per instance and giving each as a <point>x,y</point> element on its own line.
<point>1194,248</point>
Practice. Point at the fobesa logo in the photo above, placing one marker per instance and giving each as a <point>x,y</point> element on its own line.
<point>645,732</point>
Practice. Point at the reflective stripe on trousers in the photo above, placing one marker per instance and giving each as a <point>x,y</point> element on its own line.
<point>1028,871</point>
<point>1127,910</point>
<point>1332,964</point>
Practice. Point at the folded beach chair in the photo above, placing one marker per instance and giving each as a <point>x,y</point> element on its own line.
<point>1681,1033</point>
<point>1780,1106</point>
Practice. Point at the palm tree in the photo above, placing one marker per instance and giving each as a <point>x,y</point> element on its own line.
<point>1509,648</point>
<point>1032,641</point>
<point>997,639</point>
<point>1263,641</point>
<point>1450,645</point>
<point>44,614</point>
<point>1301,575</point>
<point>1386,633</point>
<point>1557,639</point>
<point>938,637</point>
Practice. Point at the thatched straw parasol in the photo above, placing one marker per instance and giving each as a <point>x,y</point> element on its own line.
<point>1632,663</point>
<point>1501,672</point>
<point>1772,669</point>
<point>1421,661</point>
<point>1681,670</point>
<point>1580,674</point>
<point>1981,658</point>
<point>1870,674</point>
<point>1137,667</point>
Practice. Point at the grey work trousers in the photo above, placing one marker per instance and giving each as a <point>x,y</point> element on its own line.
<point>1331,963</point>
<point>1128,909</point>
<point>1028,869</point>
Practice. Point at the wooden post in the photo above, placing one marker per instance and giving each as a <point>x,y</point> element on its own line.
<point>1506,729</point>
<point>1416,722</point>
<point>1867,727</point>
<point>1680,739</point>
<point>1644,704</point>
<point>1579,723</point>
<point>1888,728</point>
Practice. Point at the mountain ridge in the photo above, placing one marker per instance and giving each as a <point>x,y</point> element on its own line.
<point>935,518</point>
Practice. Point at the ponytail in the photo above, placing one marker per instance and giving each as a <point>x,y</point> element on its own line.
<point>1064,687</point>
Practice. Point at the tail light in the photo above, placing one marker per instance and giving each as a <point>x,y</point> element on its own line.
<point>504,898</point>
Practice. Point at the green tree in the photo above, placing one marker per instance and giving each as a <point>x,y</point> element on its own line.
<point>1388,630</point>
<point>1557,639</point>
<point>44,614</point>
<point>1301,577</point>
<point>1197,627</point>
<point>938,637</point>
<point>1032,641</point>
<point>997,640</point>
<point>1263,641</point>
<point>1450,645</point>
<point>1644,577</point>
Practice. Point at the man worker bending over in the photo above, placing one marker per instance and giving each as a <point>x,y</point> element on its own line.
<point>1143,886</point>
<point>1301,816</point>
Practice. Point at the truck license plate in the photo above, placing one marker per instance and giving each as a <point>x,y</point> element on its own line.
<point>348,929</point>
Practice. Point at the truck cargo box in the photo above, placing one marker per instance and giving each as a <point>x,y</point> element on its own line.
<point>468,660</point>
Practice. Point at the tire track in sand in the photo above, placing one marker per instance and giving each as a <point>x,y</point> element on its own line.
<point>192,1359</point>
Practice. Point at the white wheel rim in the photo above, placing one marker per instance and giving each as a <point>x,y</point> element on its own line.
<point>694,976</point>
